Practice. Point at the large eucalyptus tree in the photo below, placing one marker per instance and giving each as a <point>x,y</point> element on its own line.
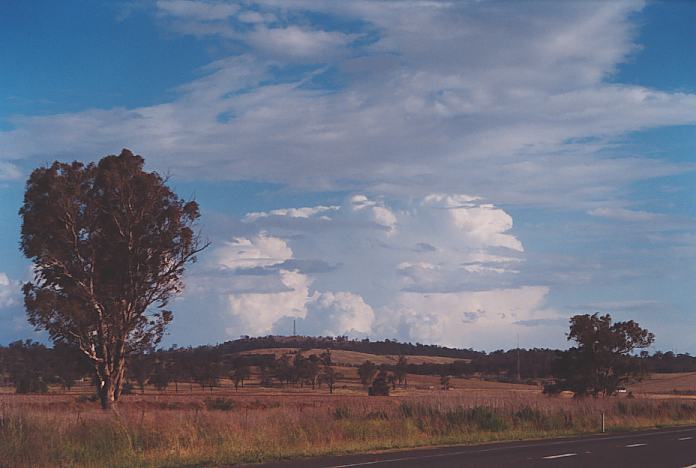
<point>109,243</point>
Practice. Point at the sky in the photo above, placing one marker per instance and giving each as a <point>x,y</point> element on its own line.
<point>454,172</point>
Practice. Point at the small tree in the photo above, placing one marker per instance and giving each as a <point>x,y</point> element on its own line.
<point>284,370</point>
<point>401,369</point>
<point>380,385</point>
<point>311,369</point>
<point>602,361</point>
<point>206,367</point>
<point>330,377</point>
<point>326,358</point>
<point>161,374</point>
<point>445,381</point>
<point>28,367</point>
<point>239,375</point>
<point>367,372</point>
<point>68,364</point>
<point>109,243</point>
<point>140,369</point>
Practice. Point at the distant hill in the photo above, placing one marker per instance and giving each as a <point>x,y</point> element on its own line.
<point>385,347</point>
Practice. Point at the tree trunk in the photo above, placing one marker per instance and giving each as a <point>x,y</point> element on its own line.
<point>106,394</point>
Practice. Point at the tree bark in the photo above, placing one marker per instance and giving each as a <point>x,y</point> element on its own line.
<point>106,393</point>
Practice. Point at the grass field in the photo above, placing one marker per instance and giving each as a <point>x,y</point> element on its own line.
<point>197,427</point>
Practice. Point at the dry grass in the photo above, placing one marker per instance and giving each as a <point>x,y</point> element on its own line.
<point>666,383</point>
<point>166,429</point>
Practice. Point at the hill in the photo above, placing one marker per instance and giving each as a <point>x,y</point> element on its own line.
<point>385,347</point>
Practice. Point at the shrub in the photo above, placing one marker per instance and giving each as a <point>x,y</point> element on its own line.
<point>380,386</point>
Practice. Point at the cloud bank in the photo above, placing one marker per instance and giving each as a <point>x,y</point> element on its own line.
<point>442,268</point>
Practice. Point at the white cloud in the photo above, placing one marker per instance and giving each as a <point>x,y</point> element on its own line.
<point>9,291</point>
<point>197,10</point>
<point>298,43</point>
<point>483,222</point>
<point>9,171</point>
<point>256,313</point>
<point>304,212</point>
<point>338,313</point>
<point>444,96</point>
<point>260,251</point>
<point>479,319</point>
<point>377,212</point>
<point>623,214</point>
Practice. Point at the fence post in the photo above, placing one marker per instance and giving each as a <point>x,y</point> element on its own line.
<point>603,428</point>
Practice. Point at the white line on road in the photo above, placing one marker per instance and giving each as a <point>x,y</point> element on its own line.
<point>635,445</point>
<point>563,455</point>
<point>685,438</point>
<point>690,466</point>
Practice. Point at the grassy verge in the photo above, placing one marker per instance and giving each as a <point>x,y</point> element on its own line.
<point>225,431</point>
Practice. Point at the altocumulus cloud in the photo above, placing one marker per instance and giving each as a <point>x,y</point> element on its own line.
<point>508,100</point>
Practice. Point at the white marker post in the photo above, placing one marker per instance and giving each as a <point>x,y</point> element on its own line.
<point>603,429</point>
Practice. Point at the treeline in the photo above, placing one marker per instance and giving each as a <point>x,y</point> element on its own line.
<point>31,367</point>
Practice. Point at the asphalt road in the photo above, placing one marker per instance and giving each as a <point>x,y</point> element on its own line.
<point>668,448</point>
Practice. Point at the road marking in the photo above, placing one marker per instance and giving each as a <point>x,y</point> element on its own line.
<point>690,466</point>
<point>563,455</point>
<point>686,438</point>
<point>635,445</point>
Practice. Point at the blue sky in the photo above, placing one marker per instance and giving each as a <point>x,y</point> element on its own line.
<point>446,172</point>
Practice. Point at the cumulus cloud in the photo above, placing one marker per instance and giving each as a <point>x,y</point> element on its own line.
<point>482,222</point>
<point>479,319</point>
<point>256,313</point>
<point>384,281</point>
<point>259,251</point>
<point>338,313</point>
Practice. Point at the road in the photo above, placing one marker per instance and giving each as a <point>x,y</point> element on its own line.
<point>668,448</point>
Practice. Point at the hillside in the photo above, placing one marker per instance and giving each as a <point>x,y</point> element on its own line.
<point>354,358</point>
<point>384,347</point>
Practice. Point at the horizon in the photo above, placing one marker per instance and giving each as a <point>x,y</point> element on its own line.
<point>455,174</point>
